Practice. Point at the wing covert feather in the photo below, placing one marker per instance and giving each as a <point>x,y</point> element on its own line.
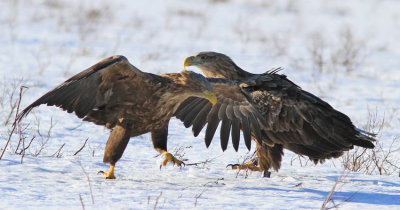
<point>87,89</point>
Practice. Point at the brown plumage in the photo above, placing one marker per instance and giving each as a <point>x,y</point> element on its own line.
<point>232,109</point>
<point>292,118</point>
<point>115,94</point>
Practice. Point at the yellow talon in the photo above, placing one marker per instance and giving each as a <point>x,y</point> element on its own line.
<point>110,173</point>
<point>170,158</point>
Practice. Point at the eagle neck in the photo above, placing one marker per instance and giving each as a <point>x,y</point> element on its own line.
<point>240,74</point>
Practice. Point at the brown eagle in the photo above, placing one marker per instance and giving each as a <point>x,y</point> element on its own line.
<point>115,94</point>
<point>292,118</point>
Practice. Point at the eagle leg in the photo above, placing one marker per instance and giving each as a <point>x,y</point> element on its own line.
<point>115,146</point>
<point>170,158</point>
<point>159,138</point>
<point>109,174</point>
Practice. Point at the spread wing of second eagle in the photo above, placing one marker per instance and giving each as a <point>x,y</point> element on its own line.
<point>291,118</point>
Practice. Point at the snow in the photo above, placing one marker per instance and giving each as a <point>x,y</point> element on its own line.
<point>45,42</point>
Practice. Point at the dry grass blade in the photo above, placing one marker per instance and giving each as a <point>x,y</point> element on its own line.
<point>89,183</point>
<point>57,154</point>
<point>80,149</point>
<point>80,199</point>
<point>203,162</point>
<point>198,196</point>
<point>329,198</point>
<point>156,202</point>
<point>25,148</point>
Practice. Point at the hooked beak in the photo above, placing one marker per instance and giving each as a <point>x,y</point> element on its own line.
<point>188,61</point>
<point>209,95</point>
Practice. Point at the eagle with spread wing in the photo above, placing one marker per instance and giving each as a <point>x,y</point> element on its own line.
<point>115,94</point>
<point>270,109</point>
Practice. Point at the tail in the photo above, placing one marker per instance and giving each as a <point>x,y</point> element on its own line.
<point>365,139</point>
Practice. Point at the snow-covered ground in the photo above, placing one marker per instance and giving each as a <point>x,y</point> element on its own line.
<point>346,52</point>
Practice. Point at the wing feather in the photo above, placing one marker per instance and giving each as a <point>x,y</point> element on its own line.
<point>184,109</point>
<point>200,121</point>
<point>235,132</point>
<point>232,108</point>
<point>180,112</point>
<point>84,91</point>
<point>225,131</point>
<point>246,132</point>
<point>213,121</point>
<point>188,120</point>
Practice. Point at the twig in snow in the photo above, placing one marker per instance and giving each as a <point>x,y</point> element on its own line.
<point>156,203</point>
<point>57,153</point>
<point>12,103</point>
<point>15,121</point>
<point>21,136</point>
<point>25,148</point>
<point>80,199</point>
<point>198,196</point>
<point>88,179</point>
<point>84,144</point>
<point>330,194</point>
<point>203,162</point>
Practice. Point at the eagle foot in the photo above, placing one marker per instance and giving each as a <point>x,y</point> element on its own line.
<point>251,165</point>
<point>109,174</point>
<point>170,158</point>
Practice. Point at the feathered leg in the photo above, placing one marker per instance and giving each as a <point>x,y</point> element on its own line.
<point>159,138</point>
<point>269,157</point>
<point>115,147</point>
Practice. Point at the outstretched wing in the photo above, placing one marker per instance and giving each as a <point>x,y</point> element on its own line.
<point>90,90</point>
<point>300,121</point>
<point>233,108</point>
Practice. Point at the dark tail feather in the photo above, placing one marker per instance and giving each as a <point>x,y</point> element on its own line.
<point>365,139</point>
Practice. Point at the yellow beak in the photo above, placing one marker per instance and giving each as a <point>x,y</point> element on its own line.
<point>210,96</point>
<point>188,61</point>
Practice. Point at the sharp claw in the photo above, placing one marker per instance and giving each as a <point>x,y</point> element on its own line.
<point>109,174</point>
<point>232,165</point>
<point>170,158</point>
